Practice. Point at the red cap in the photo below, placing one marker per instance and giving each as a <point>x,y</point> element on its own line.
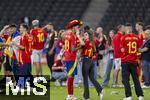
<point>74,23</point>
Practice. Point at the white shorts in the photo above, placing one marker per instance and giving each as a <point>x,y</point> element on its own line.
<point>36,55</point>
<point>117,63</point>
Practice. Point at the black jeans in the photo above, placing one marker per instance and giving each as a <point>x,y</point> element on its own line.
<point>127,69</point>
<point>50,61</point>
<point>88,71</point>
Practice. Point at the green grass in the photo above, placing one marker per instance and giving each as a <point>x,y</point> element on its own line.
<point>60,93</point>
<point>44,68</point>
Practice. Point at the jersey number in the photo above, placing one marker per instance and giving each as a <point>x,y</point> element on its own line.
<point>132,47</point>
<point>67,45</point>
<point>41,37</point>
<point>89,52</point>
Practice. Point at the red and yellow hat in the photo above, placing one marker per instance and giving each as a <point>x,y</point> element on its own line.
<point>74,23</point>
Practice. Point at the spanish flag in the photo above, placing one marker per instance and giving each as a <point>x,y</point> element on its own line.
<point>6,50</point>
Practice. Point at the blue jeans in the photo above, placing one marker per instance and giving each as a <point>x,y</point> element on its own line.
<point>25,69</point>
<point>110,64</point>
<point>59,75</point>
<point>24,75</point>
<point>146,72</point>
<point>95,70</point>
<point>15,67</point>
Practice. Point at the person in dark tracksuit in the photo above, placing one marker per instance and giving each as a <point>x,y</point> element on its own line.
<point>88,66</point>
<point>145,50</point>
<point>49,28</point>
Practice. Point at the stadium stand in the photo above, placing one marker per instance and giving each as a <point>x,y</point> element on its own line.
<point>123,11</point>
<point>59,12</point>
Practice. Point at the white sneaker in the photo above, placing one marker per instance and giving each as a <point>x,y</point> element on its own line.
<point>101,95</point>
<point>57,83</point>
<point>64,84</point>
<point>141,98</point>
<point>86,99</point>
<point>80,81</point>
<point>115,92</point>
<point>121,86</point>
<point>128,98</point>
<point>71,97</point>
<point>114,85</point>
<point>132,86</point>
<point>91,86</point>
<point>145,87</point>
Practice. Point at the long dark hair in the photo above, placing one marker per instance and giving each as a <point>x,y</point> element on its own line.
<point>109,39</point>
<point>91,38</point>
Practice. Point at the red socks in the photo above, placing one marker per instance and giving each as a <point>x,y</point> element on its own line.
<point>70,85</point>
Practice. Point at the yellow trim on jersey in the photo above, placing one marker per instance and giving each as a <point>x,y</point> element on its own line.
<point>20,57</point>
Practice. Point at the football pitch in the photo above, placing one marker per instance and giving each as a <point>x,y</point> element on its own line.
<point>60,93</point>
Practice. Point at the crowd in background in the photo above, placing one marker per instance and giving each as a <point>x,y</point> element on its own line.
<point>20,46</point>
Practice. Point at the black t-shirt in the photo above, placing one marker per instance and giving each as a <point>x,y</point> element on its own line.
<point>51,42</point>
<point>103,43</point>
<point>146,55</point>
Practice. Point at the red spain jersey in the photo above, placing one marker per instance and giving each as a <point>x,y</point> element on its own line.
<point>39,37</point>
<point>96,41</point>
<point>70,43</point>
<point>130,43</point>
<point>141,39</point>
<point>25,54</point>
<point>141,42</point>
<point>60,43</point>
<point>87,50</point>
<point>116,45</point>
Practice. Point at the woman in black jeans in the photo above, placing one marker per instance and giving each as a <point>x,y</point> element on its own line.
<point>88,66</point>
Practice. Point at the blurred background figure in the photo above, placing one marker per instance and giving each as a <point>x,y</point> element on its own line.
<point>101,48</point>
<point>49,46</point>
<point>39,36</point>
<point>110,61</point>
<point>117,53</point>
